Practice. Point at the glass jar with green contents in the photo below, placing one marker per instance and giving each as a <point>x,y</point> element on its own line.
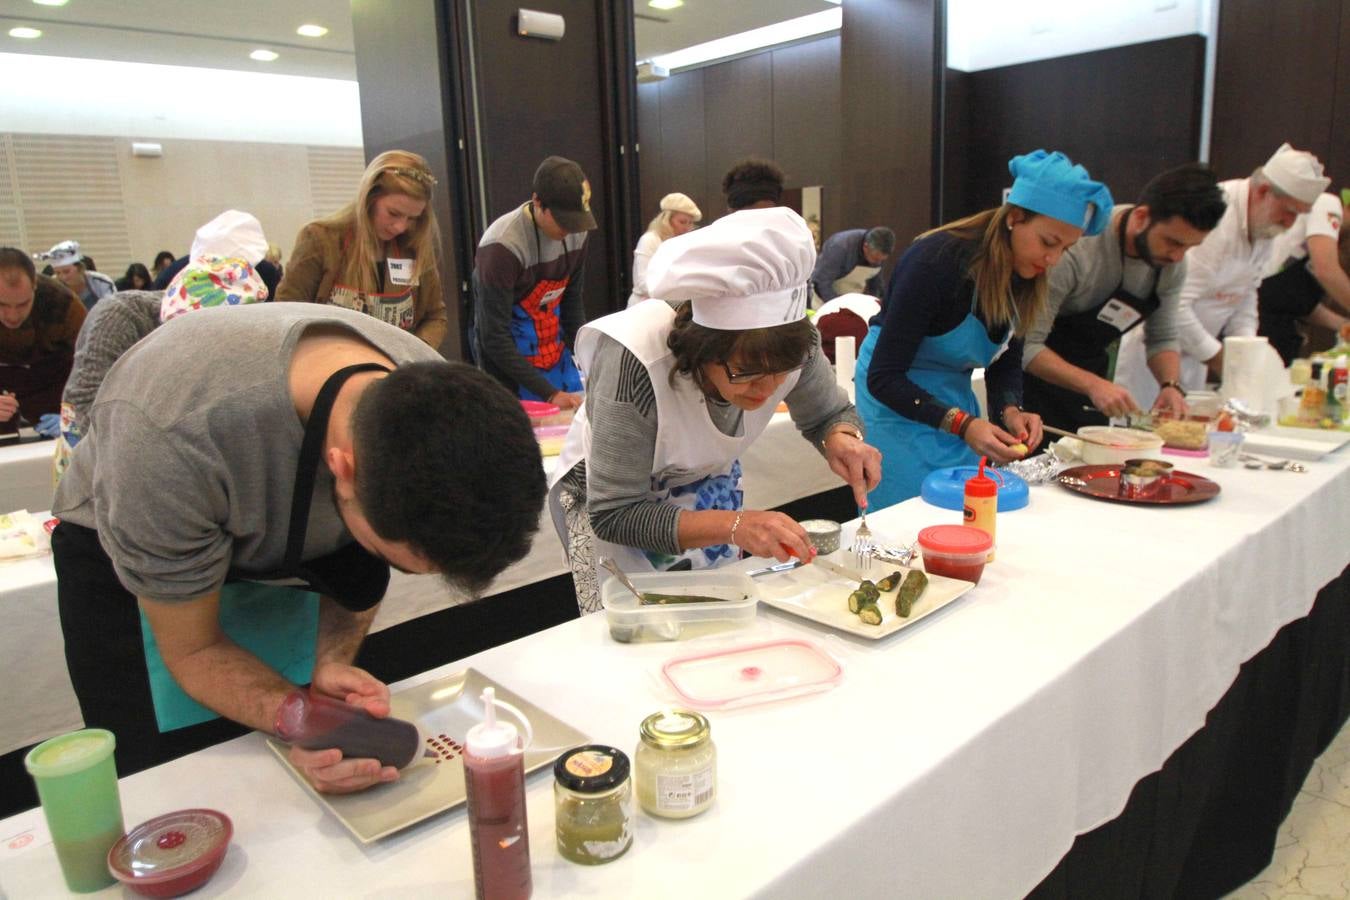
<point>593,804</point>
<point>675,764</point>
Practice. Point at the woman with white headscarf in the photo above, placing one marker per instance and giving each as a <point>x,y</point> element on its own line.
<point>678,216</point>
<point>649,473</point>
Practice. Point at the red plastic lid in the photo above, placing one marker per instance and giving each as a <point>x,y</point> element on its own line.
<point>982,485</point>
<point>538,408</point>
<point>955,539</point>
<point>172,846</point>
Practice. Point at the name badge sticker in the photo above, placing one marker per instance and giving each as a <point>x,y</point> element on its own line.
<point>1118,315</point>
<point>400,271</point>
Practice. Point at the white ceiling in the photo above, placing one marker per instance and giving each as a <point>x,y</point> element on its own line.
<point>219,34</point>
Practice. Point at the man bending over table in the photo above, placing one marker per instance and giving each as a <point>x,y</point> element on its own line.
<point>232,447</point>
<point>39,321</point>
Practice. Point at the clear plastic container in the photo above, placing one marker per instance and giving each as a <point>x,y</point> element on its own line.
<point>752,674</point>
<point>542,414</point>
<point>955,551</point>
<point>630,621</point>
<point>172,854</point>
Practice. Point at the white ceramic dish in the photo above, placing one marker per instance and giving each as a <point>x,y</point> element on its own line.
<point>821,596</point>
<point>1308,444</point>
<point>448,706</point>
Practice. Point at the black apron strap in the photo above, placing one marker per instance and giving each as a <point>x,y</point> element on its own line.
<point>316,429</point>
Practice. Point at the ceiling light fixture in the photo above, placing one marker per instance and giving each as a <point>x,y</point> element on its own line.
<point>311,31</point>
<point>51,2</point>
<point>755,39</point>
<point>263,55</point>
<point>665,4</point>
<point>27,34</point>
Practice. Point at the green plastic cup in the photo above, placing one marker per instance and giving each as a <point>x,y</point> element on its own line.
<point>77,784</point>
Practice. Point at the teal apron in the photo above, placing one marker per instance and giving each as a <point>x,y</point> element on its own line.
<point>279,624</point>
<point>909,449</point>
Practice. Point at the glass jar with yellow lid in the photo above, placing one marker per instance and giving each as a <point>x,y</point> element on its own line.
<point>675,767</point>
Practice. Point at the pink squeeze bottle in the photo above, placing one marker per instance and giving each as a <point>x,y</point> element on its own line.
<point>494,779</point>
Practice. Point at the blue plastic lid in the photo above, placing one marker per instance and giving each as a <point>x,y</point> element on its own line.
<point>946,488</point>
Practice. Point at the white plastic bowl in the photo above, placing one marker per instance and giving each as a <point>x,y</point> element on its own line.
<point>1130,443</point>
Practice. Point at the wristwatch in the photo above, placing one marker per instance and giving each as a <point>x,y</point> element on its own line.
<point>1171,384</point>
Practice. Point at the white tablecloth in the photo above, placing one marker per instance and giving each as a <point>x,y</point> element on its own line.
<point>958,758</point>
<point>26,476</point>
<point>781,467</point>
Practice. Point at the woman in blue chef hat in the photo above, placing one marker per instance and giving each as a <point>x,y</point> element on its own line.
<point>961,298</point>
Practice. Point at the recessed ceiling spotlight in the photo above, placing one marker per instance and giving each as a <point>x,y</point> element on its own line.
<point>263,55</point>
<point>51,2</point>
<point>311,31</point>
<point>26,33</point>
<point>665,4</point>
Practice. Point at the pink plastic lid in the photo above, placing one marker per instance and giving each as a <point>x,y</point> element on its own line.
<point>184,846</point>
<point>956,539</point>
<point>751,674</point>
<point>537,409</point>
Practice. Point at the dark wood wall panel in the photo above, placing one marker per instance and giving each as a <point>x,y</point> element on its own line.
<point>683,144</point>
<point>1125,113</point>
<point>1338,154</point>
<point>538,98</point>
<point>889,55</point>
<point>651,160</point>
<point>808,122</point>
<point>738,104</point>
<point>1277,78</point>
<point>955,144</point>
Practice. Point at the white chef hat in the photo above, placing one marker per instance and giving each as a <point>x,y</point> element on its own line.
<point>1296,172</point>
<point>66,253</point>
<point>747,270</point>
<point>678,202</point>
<point>232,234</point>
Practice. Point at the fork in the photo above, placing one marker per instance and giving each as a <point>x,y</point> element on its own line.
<point>863,544</point>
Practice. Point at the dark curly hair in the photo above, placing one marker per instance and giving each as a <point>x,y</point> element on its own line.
<point>446,461</point>
<point>1191,191</point>
<point>751,180</point>
<point>779,348</point>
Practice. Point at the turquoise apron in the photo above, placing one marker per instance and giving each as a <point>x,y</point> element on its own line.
<point>279,624</point>
<point>911,449</point>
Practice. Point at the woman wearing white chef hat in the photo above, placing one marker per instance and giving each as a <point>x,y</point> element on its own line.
<point>678,387</point>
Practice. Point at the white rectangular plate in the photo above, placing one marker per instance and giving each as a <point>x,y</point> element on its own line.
<point>1295,443</point>
<point>449,705</point>
<point>821,596</point>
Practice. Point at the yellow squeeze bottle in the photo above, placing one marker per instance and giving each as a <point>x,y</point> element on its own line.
<point>981,506</point>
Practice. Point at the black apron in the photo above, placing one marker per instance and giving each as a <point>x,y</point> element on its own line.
<point>278,622</point>
<point>1282,301</point>
<point>1088,340</point>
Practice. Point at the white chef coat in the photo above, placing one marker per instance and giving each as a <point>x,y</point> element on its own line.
<point>1218,300</point>
<point>1324,220</point>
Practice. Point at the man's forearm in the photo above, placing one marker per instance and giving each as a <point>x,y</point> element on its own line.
<point>233,682</point>
<point>341,632</point>
<point>1165,366</point>
<point>1050,366</point>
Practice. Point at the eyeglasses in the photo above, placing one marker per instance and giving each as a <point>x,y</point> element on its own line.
<point>747,377</point>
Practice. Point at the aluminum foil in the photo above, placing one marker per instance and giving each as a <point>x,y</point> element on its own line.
<point>1039,469</point>
<point>1244,416</point>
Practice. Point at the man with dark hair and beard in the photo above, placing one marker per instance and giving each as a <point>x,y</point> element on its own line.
<point>1130,274</point>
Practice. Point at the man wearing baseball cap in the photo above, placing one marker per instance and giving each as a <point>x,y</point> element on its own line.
<point>527,279</point>
<point>1219,297</point>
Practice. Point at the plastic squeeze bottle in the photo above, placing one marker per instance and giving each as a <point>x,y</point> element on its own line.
<point>1338,393</point>
<point>315,721</point>
<point>494,780</point>
<point>981,505</point>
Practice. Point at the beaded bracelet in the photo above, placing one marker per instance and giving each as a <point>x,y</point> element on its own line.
<point>948,418</point>
<point>731,539</point>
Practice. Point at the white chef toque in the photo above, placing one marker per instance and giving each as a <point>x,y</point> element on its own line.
<point>747,270</point>
<point>231,234</point>
<point>1296,172</point>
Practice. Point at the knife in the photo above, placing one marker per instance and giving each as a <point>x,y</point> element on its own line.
<point>776,567</point>
<point>836,569</point>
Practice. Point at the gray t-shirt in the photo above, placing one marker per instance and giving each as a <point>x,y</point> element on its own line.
<point>110,329</point>
<point>188,463</point>
<point>1089,274</point>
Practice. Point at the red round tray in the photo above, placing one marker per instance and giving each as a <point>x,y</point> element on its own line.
<point>1103,483</point>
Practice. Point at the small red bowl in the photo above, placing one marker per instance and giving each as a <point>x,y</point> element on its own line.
<point>955,551</point>
<point>171,854</point>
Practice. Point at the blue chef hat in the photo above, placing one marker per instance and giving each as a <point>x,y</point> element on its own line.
<point>1048,183</point>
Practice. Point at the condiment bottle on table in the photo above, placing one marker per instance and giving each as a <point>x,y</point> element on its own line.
<point>316,722</point>
<point>981,505</point>
<point>494,782</point>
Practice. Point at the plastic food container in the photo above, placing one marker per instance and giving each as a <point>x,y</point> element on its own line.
<point>171,854</point>
<point>955,551</point>
<point>752,674</point>
<point>551,438</point>
<point>542,413</point>
<point>1127,443</point>
<point>630,621</point>
<point>823,533</point>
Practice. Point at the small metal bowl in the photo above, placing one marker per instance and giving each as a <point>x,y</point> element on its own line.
<point>1141,477</point>
<point>823,534</point>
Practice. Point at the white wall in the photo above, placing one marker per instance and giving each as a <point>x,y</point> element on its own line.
<point>56,95</point>
<point>986,34</point>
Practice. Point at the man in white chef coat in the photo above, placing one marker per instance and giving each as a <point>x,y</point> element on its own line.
<point>1224,272</point>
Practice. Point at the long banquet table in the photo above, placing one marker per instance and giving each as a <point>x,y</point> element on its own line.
<point>959,757</point>
<point>31,649</point>
<point>26,474</point>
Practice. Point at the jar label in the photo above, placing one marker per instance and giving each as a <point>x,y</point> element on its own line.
<point>679,793</point>
<point>589,763</point>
